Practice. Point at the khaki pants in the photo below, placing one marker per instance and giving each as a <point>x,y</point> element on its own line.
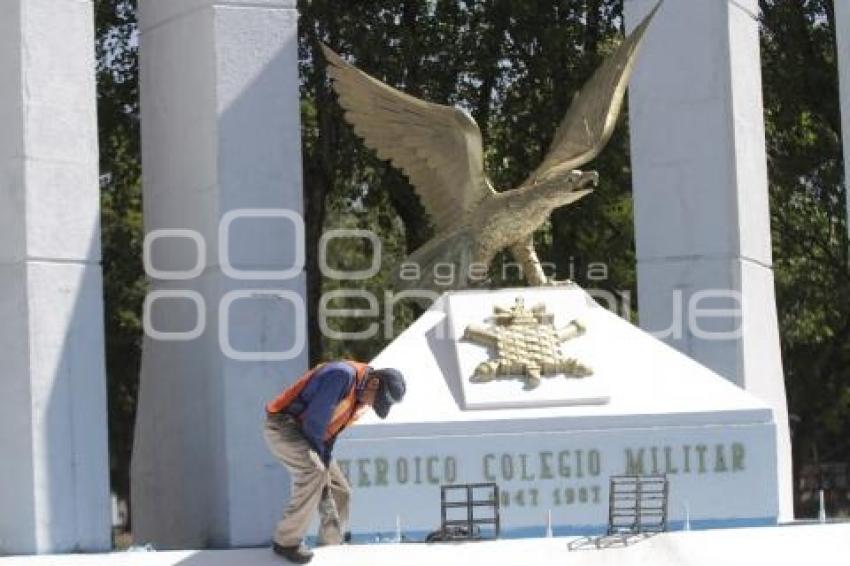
<point>313,486</point>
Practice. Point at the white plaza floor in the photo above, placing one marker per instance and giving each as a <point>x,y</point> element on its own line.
<point>798,545</point>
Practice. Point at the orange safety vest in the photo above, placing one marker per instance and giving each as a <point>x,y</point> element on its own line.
<point>346,412</point>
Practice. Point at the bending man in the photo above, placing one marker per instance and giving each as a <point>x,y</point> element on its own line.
<point>302,424</point>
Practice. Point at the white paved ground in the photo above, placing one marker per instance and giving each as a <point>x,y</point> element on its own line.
<point>802,545</point>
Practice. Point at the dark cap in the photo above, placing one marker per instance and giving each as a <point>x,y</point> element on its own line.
<point>390,391</point>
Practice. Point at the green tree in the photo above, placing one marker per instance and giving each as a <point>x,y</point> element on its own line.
<point>810,244</point>
<point>121,219</point>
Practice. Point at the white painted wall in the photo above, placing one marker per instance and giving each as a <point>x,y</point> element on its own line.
<point>220,132</point>
<point>700,191</point>
<point>55,487</point>
<point>660,401</point>
<point>842,49</point>
<point>557,470</point>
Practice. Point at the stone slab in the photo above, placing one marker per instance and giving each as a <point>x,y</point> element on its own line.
<point>56,468</point>
<point>63,210</point>
<point>177,159</point>
<point>189,386</point>
<point>12,201</point>
<point>68,403</point>
<point>16,428</point>
<point>664,410</point>
<point>695,113</point>
<point>165,12</point>
<point>50,142</point>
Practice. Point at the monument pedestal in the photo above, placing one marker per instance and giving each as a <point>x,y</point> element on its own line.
<point>646,408</point>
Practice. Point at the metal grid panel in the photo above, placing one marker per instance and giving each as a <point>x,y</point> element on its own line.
<point>468,528</point>
<point>638,504</point>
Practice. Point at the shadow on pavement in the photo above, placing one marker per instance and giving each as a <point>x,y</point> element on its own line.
<point>242,557</point>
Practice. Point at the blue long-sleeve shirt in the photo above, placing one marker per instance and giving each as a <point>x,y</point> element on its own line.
<point>330,385</point>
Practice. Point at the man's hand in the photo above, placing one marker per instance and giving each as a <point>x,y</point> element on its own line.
<point>317,460</point>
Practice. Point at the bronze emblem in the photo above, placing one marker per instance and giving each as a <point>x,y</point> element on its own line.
<point>527,345</point>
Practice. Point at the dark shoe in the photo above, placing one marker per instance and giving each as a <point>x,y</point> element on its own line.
<point>299,554</point>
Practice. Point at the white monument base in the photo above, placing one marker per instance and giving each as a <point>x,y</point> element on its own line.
<point>777,546</point>
<point>663,413</point>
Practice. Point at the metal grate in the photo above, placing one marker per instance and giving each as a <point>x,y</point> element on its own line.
<point>637,504</point>
<point>462,497</point>
<point>637,509</point>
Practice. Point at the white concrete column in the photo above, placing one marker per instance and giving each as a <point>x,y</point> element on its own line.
<point>842,49</point>
<point>220,133</point>
<point>54,474</point>
<point>702,223</point>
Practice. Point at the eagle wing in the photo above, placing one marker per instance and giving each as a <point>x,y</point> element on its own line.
<point>438,147</point>
<point>591,118</point>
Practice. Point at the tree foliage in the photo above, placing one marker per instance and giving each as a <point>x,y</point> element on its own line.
<point>121,220</point>
<point>809,226</point>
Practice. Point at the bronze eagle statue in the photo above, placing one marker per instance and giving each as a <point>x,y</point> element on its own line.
<point>439,149</point>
